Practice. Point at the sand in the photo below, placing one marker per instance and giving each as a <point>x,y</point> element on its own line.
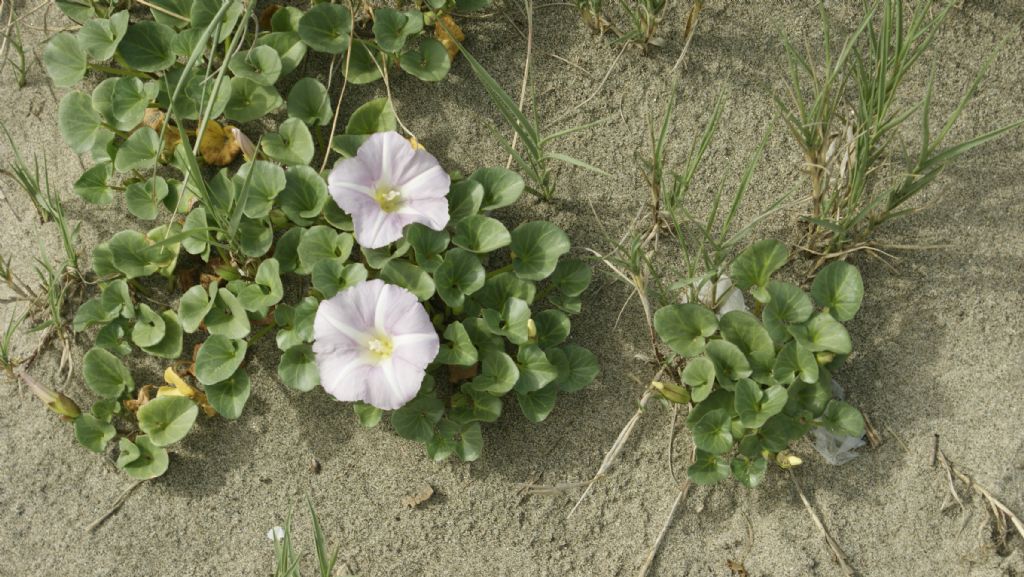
<point>937,351</point>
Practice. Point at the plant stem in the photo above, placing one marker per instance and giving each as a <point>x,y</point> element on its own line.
<point>118,71</point>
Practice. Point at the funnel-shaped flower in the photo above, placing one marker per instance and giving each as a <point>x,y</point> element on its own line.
<point>388,185</point>
<point>373,343</point>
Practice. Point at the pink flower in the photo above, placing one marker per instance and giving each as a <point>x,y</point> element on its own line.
<point>373,342</point>
<point>388,185</point>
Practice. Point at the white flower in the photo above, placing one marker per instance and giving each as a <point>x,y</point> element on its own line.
<point>373,342</point>
<point>390,184</point>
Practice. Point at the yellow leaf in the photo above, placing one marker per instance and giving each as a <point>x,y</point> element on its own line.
<point>218,147</point>
<point>179,384</point>
<point>170,392</point>
<point>154,118</point>
<point>441,32</point>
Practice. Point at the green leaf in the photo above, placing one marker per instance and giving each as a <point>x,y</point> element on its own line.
<point>481,234</point>
<point>266,182</point>
<point>292,144</point>
<point>464,200</point>
<point>333,276</point>
<point>730,362</point>
<point>128,100</point>
<point>228,397</point>
<point>755,265</point>
<point>699,374</point>
<point>750,472</point>
<point>298,369</point>
<point>305,194</point>
<point>167,419</point>
<point>808,399</point>
<point>250,100</point>
<point>260,64</point>
<point>472,405</point>
<point>142,459</point>
<point>684,328</point>
<point>364,63</point>
<point>536,248</point>
<point>99,37</point>
<point>755,406</point>
<point>535,370</point>
<point>146,46</point>
<point>391,27</point>
<point>788,306</point>
<point>114,338</point>
<point>498,373</point>
<point>410,277</point>
<point>795,360</point>
<point>80,124</point>
<point>105,374</point>
<point>502,187</point>
<point>267,291</point>
<point>501,287</point>
<point>708,469</point>
<point>308,101</point>
<point>460,274</point>
<point>65,60</point>
<point>369,415</point>
<point>149,327</point>
<point>204,15</point>
<point>143,198</point>
<point>286,251</point>
<point>577,367</point>
<point>170,345</point>
<point>417,418</point>
<point>839,289</point>
<point>193,96</point>
<point>323,243</point>
<point>537,405</point>
<point>823,333</point>
<point>553,328</point>
<point>571,277</point>
<point>179,7</point>
<point>430,62</point>
<point>227,316</point>
<point>842,418</point>
<point>256,235</point>
<point>429,245</point>
<point>460,351</point>
<point>289,47</point>
<point>713,432</point>
<point>93,433</point>
<point>194,306</point>
<point>325,28</point>
<point>375,116</point>
<point>218,358</point>
<point>743,330</point>
<point>296,323</point>
<point>92,186</point>
<point>512,322</point>
<point>129,251</point>
<point>139,151</point>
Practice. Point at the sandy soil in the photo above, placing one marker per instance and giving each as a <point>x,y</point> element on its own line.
<point>938,351</point>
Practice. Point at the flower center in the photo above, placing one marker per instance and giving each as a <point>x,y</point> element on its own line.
<point>380,348</point>
<point>388,198</point>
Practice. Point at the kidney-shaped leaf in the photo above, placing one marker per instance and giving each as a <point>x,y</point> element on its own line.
<point>218,358</point>
<point>840,289</point>
<point>685,327</point>
<point>536,248</point>
<point>167,419</point>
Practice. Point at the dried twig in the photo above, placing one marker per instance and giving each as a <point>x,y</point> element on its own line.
<point>837,553</point>
<point>115,508</point>
<point>526,73</point>
<point>999,511</point>
<point>649,561</point>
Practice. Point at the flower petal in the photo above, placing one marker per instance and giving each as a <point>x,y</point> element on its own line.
<point>399,383</point>
<point>385,154</point>
<point>432,212</point>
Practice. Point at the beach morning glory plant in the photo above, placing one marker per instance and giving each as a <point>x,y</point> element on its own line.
<point>390,184</point>
<point>373,342</point>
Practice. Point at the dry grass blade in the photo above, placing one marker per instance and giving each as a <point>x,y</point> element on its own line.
<point>115,508</point>
<point>999,511</point>
<point>837,553</point>
<point>613,453</point>
<point>526,72</point>
<point>649,561</point>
